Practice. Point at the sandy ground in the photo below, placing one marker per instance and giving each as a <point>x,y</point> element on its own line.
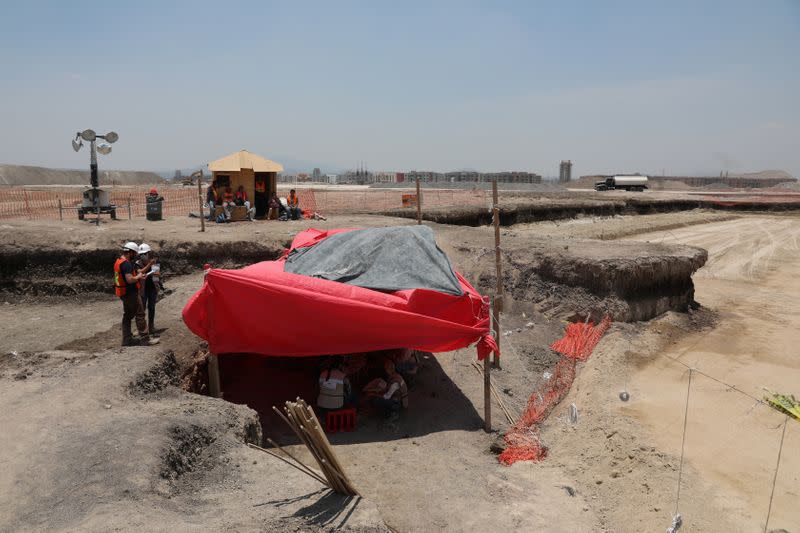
<point>751,280</point>
<point>617,227</point>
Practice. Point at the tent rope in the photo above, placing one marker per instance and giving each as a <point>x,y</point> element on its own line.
<point>775,476</point>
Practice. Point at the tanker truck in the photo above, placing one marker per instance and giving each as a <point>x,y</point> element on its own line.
<point>628,183</point>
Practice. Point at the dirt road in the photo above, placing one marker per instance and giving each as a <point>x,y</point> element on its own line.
<point>751,280</point>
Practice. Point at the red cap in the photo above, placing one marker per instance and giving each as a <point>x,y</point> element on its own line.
<point>207,266</point>
<point>153,191</point>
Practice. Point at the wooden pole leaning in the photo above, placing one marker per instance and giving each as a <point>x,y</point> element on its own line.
<point>419,204</point>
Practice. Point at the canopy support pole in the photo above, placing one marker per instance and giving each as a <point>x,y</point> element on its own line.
<point>214,385</point>
<point>498,293</point>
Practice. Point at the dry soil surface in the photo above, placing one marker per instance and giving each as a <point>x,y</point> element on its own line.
<point>616,470</point>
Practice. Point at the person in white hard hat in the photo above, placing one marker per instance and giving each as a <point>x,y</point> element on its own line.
<point>126,287</point>
<point>146,264</point>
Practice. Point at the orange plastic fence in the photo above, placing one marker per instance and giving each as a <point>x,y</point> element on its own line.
<point>20,202</point>
<point>523,442</point>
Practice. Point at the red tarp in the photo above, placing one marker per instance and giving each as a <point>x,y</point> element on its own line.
<point>263,310</point>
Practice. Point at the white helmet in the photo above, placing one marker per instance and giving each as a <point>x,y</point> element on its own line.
<point>144,248</point>
<point>132,246</point>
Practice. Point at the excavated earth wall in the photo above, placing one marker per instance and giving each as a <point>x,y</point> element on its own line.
<point>572,278</point>
<point>58,271</point>
<point>535,210</point>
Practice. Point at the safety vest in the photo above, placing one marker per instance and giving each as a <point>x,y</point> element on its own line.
<point>241,195</point>
<point>120,285</point>
<point>292,200</point>
<point>261,186</point>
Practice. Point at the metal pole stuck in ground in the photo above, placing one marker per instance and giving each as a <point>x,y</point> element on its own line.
<point>419,204</point>
<point>497,304</point>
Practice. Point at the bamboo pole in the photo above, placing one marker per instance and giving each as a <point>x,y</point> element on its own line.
<point>495,394</point>
<point>419,204</point>
<point>301,418</point>
<point>298,461</point>
<point>275,455</point>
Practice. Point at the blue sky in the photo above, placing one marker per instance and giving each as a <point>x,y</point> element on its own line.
<point>676,87</point>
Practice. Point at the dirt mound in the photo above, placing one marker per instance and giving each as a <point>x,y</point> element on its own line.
<point>28,175</point>
<point>163,374</point>
<point>183,452</point>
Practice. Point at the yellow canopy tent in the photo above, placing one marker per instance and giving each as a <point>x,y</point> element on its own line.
<point>245,168</point>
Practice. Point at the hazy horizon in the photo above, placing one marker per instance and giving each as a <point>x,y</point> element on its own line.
<point>684,88</point>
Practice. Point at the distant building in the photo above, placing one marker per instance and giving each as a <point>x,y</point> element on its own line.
<point>565,171</point>
<point>469,176</point>
<point>315,174</point>
<point>332,178</point>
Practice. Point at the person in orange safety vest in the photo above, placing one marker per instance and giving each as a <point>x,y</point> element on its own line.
<point>294,205</point>
<point>126,287</point>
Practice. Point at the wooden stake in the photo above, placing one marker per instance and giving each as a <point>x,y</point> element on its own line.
<point>497,305</point>
<point>487,398</point>
<point>60,213</point>
<point>419,204</point>
<point>200,198</point>
<point>214,386</point>
<point>130,216</point>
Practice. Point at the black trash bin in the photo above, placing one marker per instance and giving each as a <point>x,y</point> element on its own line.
<point>155,208</point>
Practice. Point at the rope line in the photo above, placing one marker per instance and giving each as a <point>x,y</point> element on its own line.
<point>683,441</point>
<point>775,476</point>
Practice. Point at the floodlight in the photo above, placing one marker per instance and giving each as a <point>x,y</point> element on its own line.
<point>104,149</point>
<point>111,137</point>
<point>88,135</point>
<point>76,145</point>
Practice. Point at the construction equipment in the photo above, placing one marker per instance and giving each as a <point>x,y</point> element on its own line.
<point>95,200</point>
<point>628,183</point>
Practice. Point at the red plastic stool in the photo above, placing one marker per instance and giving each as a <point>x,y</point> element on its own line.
<point>341,420</point>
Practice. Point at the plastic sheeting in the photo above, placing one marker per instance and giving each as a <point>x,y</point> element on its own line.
<point>390,259</point>
<point>262,309</point>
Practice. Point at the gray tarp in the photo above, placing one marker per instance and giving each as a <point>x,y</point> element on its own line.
<point>389,259</point>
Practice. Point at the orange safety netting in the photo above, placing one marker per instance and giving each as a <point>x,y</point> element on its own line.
<point>523,442</point>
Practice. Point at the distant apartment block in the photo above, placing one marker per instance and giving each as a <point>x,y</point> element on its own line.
<point>565,171</point>
<point>472,177</point>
